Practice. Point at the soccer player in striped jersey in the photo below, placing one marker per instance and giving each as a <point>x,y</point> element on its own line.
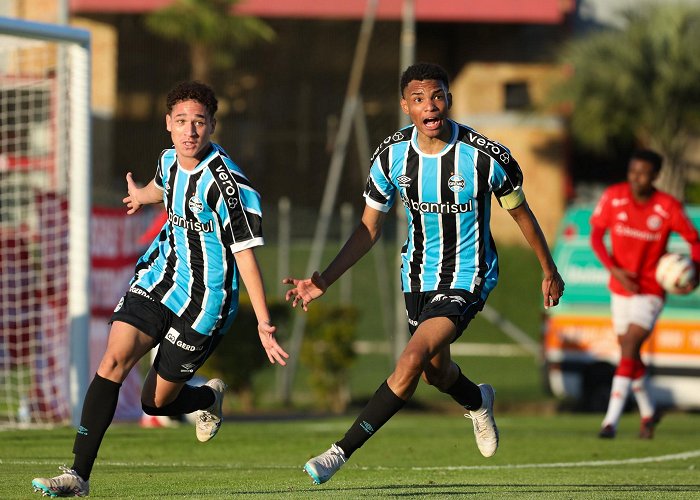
<point>640,219</point>
<point>443,173</point>
<point>184,295</point>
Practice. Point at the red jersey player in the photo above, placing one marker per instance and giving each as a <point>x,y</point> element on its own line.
<point>640,219</point>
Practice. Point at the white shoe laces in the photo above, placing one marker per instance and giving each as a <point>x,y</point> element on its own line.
<point>481,418</point>
<point>66,470</point>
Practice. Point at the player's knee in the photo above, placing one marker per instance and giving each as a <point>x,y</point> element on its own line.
<point>630,344</point>
<point>411,362</point>
<point>113,368</point>
<point>404,378</point>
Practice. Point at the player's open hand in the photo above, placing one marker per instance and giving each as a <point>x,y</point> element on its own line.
<point>274,351</point>
<point>131,201</point>
<point>693,283</point>
<point>305,290</point>
<point>552,289</point>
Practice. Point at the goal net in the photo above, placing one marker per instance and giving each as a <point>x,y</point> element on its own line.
<point>44,221</point>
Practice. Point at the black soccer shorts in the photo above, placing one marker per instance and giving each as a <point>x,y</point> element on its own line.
<point>459,306</point>
<point>182,350</point>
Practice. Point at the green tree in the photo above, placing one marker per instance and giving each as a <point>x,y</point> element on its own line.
<point>640,83</point>
<point>213,33</point>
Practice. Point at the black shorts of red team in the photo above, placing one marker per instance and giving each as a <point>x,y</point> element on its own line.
<point>457,305</point>
<point>182,350</point>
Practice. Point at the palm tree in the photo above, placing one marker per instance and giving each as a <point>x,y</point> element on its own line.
<point>640,83</point>
<point>215,36</point>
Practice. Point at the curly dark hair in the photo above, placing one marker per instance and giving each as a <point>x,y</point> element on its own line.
<point>423,71</point>
<point>649,156</point>
<point>193,91</point>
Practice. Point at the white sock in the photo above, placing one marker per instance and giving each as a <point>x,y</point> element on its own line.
<point>618,397</point>
<point>641,394</point>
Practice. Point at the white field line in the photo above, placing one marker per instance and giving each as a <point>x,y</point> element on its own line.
<point>587,463</point>
<point>457,349</point>
<point>556,465</point>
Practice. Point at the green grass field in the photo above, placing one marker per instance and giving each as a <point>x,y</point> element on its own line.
<point>416,455</point>
<point>419,454</point>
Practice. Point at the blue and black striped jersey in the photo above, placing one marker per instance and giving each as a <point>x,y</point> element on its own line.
<point>213,212</point>
<point>447,197</point>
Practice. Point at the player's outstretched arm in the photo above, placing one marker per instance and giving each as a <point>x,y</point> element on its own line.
<point>359,243</point>
<point>552,283</point>
<point>252,278</point>
<point>138,197</point>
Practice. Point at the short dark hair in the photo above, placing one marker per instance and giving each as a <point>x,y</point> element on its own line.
<point>423,71</point>
<point>650,156</point>
<point>193,91</point>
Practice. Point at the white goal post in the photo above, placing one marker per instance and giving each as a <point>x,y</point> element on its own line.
<point>45,180</point>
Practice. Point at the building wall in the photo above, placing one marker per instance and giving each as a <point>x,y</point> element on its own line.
<point>536,138</point>
<point>43,11</point>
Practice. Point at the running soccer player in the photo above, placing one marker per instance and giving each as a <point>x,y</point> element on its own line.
<point>184,295</point>
<point>640,219</point>
<point>443,173</point>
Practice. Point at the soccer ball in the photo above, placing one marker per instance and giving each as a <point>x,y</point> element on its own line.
<point>674,271</point>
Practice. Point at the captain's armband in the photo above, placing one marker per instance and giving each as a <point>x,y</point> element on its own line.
<point>513,199</point>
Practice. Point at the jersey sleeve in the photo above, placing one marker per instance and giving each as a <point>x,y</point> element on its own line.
<point>601,213</point>
<point>238,207</point>
<point>380,192</point>
<point>160,171</point>
<point>507,183</point>
<point>598,247</point>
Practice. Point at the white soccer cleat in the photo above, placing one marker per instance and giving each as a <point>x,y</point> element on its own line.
<point>322,467</point>
<point>207,422</point>
<point>485,430</point>
<point>68,484</point>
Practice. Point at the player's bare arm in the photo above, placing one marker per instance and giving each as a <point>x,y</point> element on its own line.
<point>552,283</point>
<point>252,278</point>
<point>359,243</point>
<point>138,197</point>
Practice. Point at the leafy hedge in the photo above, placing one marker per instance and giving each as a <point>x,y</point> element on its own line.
<point>328,354</point>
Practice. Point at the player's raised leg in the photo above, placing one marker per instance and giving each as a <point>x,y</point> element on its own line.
<point>208,421</point>
<point>485,429</point>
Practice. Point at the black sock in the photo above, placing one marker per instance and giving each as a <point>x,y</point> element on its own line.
<point>98,411</point>
<point>383,405</point>
<point>190,399</point>
<point>465,392</point>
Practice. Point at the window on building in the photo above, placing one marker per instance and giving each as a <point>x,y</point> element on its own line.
<point>517,96</point>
